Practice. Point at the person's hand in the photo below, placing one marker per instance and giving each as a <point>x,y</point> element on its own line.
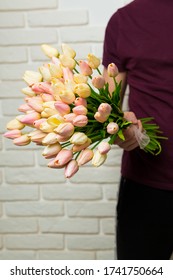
<point>130,141</point>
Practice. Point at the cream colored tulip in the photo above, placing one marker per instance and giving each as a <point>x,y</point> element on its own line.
<point>49,50</point>
<point>68,51</point>
<point>32,77</point>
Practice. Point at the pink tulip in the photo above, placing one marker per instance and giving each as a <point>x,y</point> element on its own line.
<point>55,60</point>
<point>63,157</point>
<point>12,134</point>
<point>71,168</point>
<point>36,104</point>
<point>43,87</point>
<point>52,164</point>
<point>22,140</point>
<point>104,109</point>
<point>112,128</point>
<point>80,101</point>
<point>24,108</point>
<point>51,151</point>
<point>62,107</point>
<point>85,69</point>
<point>112,70</point>
<point>104,147</point>
<point>98,82</point>
<point>37,123</point>
<point>67,74</point>
<point>46,97</point>
<point>69,117</point>
<point>80,110</point>
<point>30,118</point>
<point>80,121</point>
<point>65,129</point>
<point>78,148</point>
<point>100,117</point>
<point>85,156</point>
<point>62,139</point>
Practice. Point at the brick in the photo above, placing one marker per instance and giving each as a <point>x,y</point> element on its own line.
<point>11,72</point>
<point>30,209</point>
<point>27,5</point>
<point>17,255</point>
<point>33,175</point>
<point>98,49</point>
<point>13,54</point>
<point>17,193</point>
<point>11,89</point>
<point>114,157</point>
<point>102,175</point>
<point>8,144</point>
<point>66,255</point>
<point>1,243</point>
<point>1,211</point>
<point>10,107</point>
<point>82,34</point>
<point>18,225</point>
<point>27,36</point>
<point>64,225</point>
<point>1,176</point>
<point>111,191</point>
<point>105,255</point>
<point>108,226</point>
<point>58,18</point>
<point>95,242</point>
<point>11,20</point>
<point>16,158</point>
<point>35,242</point>
<point>1,142</point>
<point>72,192</point>
<point>90,209</point>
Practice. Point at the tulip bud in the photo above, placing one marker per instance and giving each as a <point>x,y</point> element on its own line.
<point>85,156</point>
<point>67,96</point>
<point>100,117</point>
<point>67,74</point>
<point>32,77</point>
<point>15,124</point>
<point>80,121</point>
<point>77,148</point>
<point>36,104</point>
<point>69,117</point>
<point>85,69</point>
<point>98,82</point>
<point>78,138</point>
<point>71,168</point>
<point>28,91</point>
<point>67,61</point>
<point>55,120</point>
<point>62,107</point>
<point>98,158</point>
<point>80,78</point>
<point>50,139</point>
<point>47,97</point>
<point>68,51</point>
<point>37,136</point>
<point>65,129</point>
<point>46,127</point>
<point>22,140</point>
<point>112,70</point>
<point>93,61</point>
<point>80,101</point>
<point>112,128</point>
<point>80,110</point>
<point>29,119</point>
<point>24,108</point>
<point>62,138</point>
<point>105,109</point>
<point>49,50</point>
<point>45,73</point>
<point>55,70</point>
<point>63,157</point>
<point>83,90</point>
<point>104,147</point>
<point>12,134</point>
<point>51,150</point>
<point>37,123</point>
<point>43,87</point>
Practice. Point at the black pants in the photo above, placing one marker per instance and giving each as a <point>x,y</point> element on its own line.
<point>144,222</point>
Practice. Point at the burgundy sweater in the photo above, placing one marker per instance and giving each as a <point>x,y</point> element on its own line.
<point>139,40</point>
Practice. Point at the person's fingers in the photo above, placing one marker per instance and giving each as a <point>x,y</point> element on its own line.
<point>131,117</point>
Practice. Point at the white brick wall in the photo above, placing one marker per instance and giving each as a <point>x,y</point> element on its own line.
<point>42,215</point>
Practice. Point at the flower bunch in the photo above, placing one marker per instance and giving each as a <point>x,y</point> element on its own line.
<point>69,110</point>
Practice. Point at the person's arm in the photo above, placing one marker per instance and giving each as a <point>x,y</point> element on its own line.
<point>130,141</point>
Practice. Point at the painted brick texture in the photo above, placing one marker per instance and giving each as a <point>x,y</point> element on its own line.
<point>42,215</point>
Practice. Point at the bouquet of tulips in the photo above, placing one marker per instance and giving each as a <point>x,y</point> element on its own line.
<point>70,112</point>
